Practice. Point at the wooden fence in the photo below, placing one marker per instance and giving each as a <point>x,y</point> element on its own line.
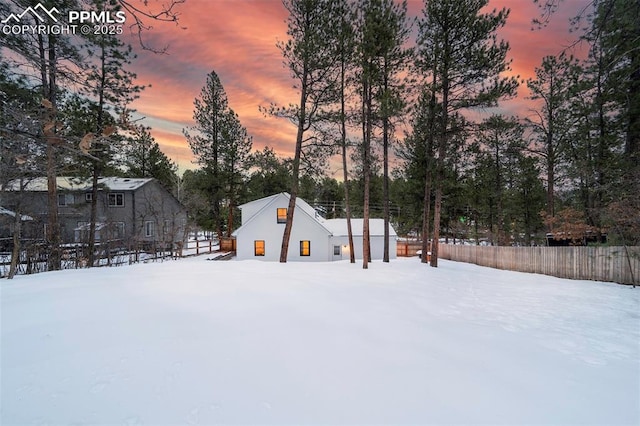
<point>613,264</point>
<point>405,248</point>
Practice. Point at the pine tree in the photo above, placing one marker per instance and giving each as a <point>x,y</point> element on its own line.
<point>311,57</point>
<point>499,146</point>
<point>143,158</point>
<point>459,50</point>
<point>345,40</point>
<point>235,162</point>
<point>221,146</point>
<point>48,60</point>
<point>211,113</point>
<point>554,86</point>
<point>394,58</point>
<point>268,174</point>
<point>112,86</point>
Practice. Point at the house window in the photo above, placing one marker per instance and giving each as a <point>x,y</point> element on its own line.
<point>116,199</point>
<point>149,228</point>
<point>88,197</point>
<point>282,215</point>
<point>118,230</point>
<point>337,250</point>
<point>65,199</point>
<point>258,248</point>
<point>305,248</point>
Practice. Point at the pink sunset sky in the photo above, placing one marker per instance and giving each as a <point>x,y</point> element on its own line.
<point>237,39</point>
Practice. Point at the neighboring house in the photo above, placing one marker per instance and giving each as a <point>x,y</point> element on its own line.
<point>128,209</point>
<point>7,227</point>
<point>313,238</point>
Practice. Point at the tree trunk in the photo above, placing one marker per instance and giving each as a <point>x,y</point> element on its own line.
<point>426,208</point>
<point>550,175</point>
<point>343,123</point>
<point>97,167</point>
<point>286,236</point>
<point>91,243</point>
<point>15,252</point>
<point>385,187</point>
<point>54,260</point>
<point>442,150</point>
<point>366,146</point>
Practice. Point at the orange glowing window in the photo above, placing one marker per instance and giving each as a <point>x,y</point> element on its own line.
<point>258,248</point>
<point>282,215</point>
<point>305,248</point>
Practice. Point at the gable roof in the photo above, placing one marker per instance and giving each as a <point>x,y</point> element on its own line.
<point>39,184</point>
<point>263,203</point>
<point>335,227</point>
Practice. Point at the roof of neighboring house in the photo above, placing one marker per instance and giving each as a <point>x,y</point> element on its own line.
<point>7,212</point>
<point>338,227</point>
<point>39,184</point>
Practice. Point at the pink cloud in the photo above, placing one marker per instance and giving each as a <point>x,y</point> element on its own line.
<point>237,39</point>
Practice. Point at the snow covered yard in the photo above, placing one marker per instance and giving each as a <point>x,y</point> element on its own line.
<point>199,342</point>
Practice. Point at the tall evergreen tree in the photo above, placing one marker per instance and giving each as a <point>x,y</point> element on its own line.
<point>459,50</point>
<point>345,41</point>
<point>554,86</point>
<point>394,56</point>
<point>112,86</point>
<point>499,146</point>
<point>235,162</point>
<point>211,115</point>
<point>221,146</point>
<point>311,57</point>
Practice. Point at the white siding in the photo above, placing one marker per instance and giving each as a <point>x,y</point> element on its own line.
<point>264,226</point>
<point>259,223</point>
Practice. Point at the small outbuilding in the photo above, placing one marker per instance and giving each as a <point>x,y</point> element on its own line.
<point>313,238</point>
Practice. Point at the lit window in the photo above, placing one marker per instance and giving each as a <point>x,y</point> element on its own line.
<point>305,248</point>
<point>116,199</point>
<point>282,215</point>
<point>258,248</point>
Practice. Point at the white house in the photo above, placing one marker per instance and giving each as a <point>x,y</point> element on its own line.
<point>313,238</point>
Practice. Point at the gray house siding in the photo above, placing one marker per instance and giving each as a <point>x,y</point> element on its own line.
<point>136,210</point>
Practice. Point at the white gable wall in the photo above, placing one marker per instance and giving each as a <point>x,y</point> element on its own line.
<point>253,207</point>
<point>263,226</point>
